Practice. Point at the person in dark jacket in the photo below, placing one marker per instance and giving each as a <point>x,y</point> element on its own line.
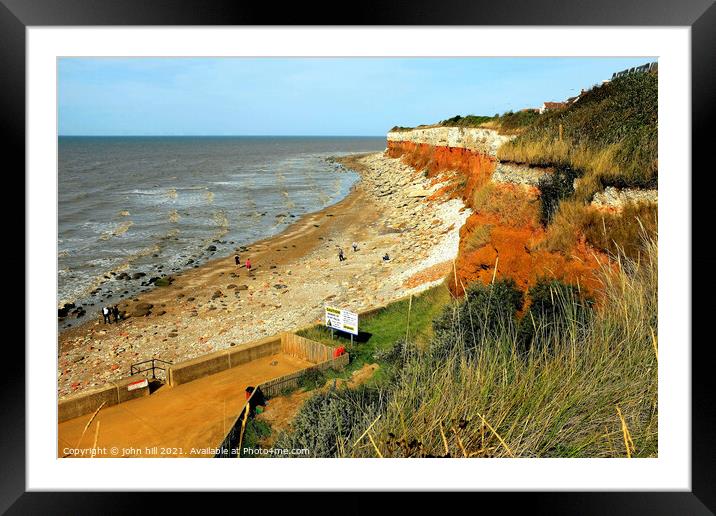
<point>257,400</point>
<point>115,313</point>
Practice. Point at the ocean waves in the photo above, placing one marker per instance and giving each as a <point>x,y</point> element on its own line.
<point>154,205</point>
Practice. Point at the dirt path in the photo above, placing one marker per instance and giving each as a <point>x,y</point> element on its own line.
<point>189,420</point>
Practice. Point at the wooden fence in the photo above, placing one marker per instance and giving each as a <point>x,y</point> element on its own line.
<point>301,347</point>
<point>291,344</point>
<point>291,381</point>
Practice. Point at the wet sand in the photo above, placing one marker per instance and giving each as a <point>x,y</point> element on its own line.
<point>293,276</point>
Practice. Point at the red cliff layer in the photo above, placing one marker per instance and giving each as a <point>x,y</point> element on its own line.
<point>474,166</point>
<point>504,230</point>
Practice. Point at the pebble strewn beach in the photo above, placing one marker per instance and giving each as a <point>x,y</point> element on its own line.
<point>294,275</point>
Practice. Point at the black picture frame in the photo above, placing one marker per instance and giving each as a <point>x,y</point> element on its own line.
<point>700,15</point>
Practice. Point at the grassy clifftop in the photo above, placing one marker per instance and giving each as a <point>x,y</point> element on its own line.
<point>609,136</point>
<point>507,123</point>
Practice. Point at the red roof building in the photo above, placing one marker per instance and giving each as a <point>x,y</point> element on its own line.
<point>551,106</point>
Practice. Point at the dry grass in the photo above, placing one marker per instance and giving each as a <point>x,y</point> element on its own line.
<point>620,233</point>
<point>610,135</point>
<point>546,151</point>
<point>610,232</point>
<point>477,237</point>
<point>599,167</point>
<point>509,205</point>
<point>564,230</point>
<point>546,404</point>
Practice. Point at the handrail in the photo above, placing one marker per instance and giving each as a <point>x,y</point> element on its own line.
<point>228,444</point>
<point>153,368</point>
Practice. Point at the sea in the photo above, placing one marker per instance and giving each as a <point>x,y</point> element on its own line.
<point>153,206</point>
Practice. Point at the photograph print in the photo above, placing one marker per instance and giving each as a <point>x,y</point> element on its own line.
<point>357,257</point>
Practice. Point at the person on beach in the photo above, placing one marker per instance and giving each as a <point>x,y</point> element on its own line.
<point>238,260</point>
<point>355,247</point>
<point>341,256</point>
<point>248,265</point>
<point>115,313</point>
<point>386,257</point>
<point>105,315</point>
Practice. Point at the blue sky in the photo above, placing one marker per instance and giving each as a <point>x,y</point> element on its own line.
<point>306,96</point>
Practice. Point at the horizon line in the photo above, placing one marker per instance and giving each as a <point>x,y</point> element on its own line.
<point>224,135</point>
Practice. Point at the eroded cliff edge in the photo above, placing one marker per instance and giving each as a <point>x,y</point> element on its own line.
<point>506,234</point>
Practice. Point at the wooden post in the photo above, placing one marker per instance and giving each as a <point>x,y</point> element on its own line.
<point>407,327</point>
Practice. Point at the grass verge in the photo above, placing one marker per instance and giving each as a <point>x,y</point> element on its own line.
<point>381,329</point>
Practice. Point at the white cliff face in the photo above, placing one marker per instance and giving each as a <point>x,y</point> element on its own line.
<point>482,140</point>
<point>519,174</point>
<point>616,198</point>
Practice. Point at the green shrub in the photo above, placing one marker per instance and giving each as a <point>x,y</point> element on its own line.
<point>465,121</point>
<point>553,188</point>
<point>394,359</point>
<point>164,281</point>
<point>329,422</point>
<point>556,309</point>
<point>312,379</point>
<point>486,310</point>
<point>255,431</point>
<point>509,121</point>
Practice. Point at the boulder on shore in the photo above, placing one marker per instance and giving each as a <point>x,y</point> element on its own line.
<point>141,310</point>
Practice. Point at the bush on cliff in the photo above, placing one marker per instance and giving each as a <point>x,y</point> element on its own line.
<point>329,422</point>
<point>507,123</point>
<point>486,311</point>
<point>465,121</point>
<point>513,122</point>
<point>553,188</point>
<point>556,309</point>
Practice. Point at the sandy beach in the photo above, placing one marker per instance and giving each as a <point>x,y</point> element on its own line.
<point>393,209</point>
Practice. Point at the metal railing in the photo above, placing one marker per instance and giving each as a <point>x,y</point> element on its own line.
<point>137,368</point>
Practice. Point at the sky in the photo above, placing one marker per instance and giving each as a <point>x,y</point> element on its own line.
<point>307,96</point>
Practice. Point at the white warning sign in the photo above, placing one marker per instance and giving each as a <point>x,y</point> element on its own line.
<point>342,320</point>
<point>140,384</point>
